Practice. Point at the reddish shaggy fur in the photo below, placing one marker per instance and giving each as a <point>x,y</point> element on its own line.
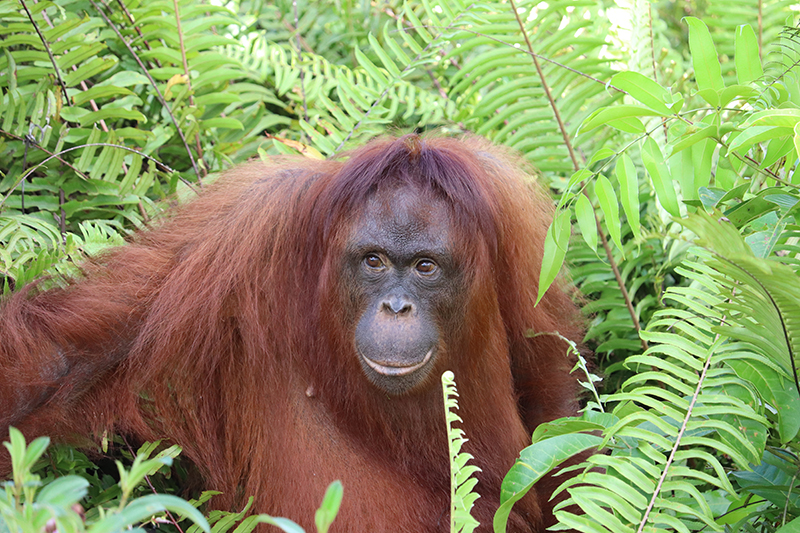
<point>222,328</point>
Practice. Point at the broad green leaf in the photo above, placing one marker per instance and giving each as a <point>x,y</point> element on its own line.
<point>711,96</point>
<point>607,114</point>
<point>772,479</point>
<point>87,154</point>
<point>702,155</point>
<point>628,125</point>
<point>796,138</point>
<point>584,214</point>
<point>784,201</point>
<point>63,491</point>
<point>629,189</point>
<point>777,149</point>
<point>216,76</point>
<point>322,143</point>
<point>748,63</point>
<point>662,180</point>
<point>694,138</point>
<point>73,113</point>
<point>647,91</point>
<point>707,70</point>
<point>589,421</point>
<point>577,177</point>
<point>126,78</point>
<point>756,134</point>
<point>555,248</point>
<point>749,210</point>
<point>389,39</point>
<point>602,153</point>
<point>9,105</point>
<point>34,451</point>
<point>89,69</point>
<point>610,206</point>
<point>586,524</point>
<point>728,94</point>
<point>787,117</point>
<point>534,462</point>
<point>80,54</point>
<point>217,98</point>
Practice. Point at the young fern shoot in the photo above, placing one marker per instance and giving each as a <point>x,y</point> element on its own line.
<point>462,496</point>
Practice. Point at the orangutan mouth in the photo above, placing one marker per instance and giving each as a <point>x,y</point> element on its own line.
<point>391,369</point>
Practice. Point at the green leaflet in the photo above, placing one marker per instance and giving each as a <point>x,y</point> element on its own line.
<point>555,248</point>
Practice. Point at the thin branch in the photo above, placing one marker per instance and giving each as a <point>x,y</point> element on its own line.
<point>576,165</point>
<point>684,424</point>
<point>155,86</point>
<point>653,60</point>
<point>166,168</point>
<point>48,152</point>
<point>188,78</point>
<point>530,53</point>
<point>299,61</point>
<point>618,277</point>
<point>546,87</point>
<point>49,53</point>
<point>172,520</point>
<point>300,40</point>
<point>176,7</point>
<point>133,25</point>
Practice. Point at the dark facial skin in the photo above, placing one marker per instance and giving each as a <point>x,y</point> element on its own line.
<point>405,285</point>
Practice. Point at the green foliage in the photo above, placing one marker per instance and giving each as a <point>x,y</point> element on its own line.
<point>716,389</point>
<point>32,504</point>
<point>27,506</point>
<point>462,484</point>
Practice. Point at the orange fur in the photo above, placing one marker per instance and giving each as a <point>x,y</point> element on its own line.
<point>222,328</point>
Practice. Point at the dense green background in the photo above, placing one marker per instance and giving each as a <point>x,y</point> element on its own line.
<point>670,127</point>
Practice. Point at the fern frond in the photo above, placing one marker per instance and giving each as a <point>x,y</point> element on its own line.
<point>462,496</point>
<point>761,299</point>
<point>690,397</point>
<point>499,91</point>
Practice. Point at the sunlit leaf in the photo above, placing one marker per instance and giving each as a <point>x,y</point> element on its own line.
<point>707,70</point>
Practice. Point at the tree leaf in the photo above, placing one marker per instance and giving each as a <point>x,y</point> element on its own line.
<point>629,187</point>
<point>662,180</point>
<point>584,214</point>
<point>647,91</point>
<point>748,63</point>
<point>608,203</point>
<point>707,70</point>
<point>607,114</point>
<point>534,462</point>
<point>555,248</point>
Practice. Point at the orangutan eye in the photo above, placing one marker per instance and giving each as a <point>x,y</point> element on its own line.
<point>426,267</point>
<point>374,262</point>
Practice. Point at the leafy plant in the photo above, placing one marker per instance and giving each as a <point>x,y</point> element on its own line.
<point>26,505</point>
